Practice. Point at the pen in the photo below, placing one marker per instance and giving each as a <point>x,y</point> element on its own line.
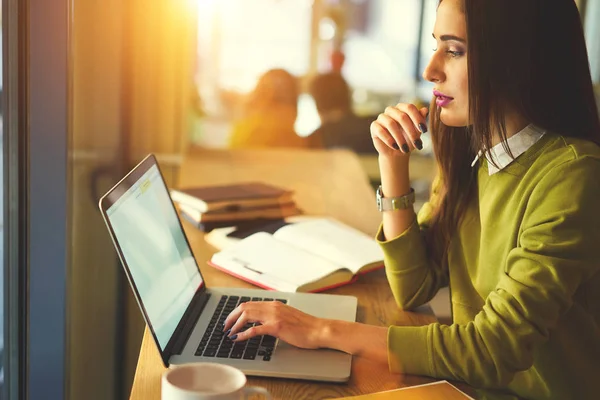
<point>245,265</point>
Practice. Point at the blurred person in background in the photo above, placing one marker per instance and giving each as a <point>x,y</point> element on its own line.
<point>269,114</point>
<point>340,127</point>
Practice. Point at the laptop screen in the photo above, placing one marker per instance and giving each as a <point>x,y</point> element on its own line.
<point>156,252</point>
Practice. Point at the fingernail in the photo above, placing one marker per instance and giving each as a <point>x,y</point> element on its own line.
<point>396,146</point>
<point>422,128</point>
<point>228,331</point>
<point>418,144</point>
<point>233,337</point>
<point>405,148</point>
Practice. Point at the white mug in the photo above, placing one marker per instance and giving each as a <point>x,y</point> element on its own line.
<point>207,381</point>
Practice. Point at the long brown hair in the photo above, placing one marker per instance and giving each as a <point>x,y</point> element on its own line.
<point>527,55</point>
<point>275,87</point>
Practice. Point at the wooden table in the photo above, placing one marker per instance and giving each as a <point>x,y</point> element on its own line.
<point>325,183</point>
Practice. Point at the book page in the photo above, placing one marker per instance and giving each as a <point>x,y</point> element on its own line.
<point>272,261</point>
<point>334,241</point>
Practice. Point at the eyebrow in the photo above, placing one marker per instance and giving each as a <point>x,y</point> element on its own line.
<point>445,38</point>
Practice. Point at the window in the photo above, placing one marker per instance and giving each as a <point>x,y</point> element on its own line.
<point>592,35</point>
<point>381,54</point>
<point>34,115</point>
<point>238,40</point>
<point>2,312</point>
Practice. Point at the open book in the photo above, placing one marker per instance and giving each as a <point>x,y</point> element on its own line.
<point>308,256</point>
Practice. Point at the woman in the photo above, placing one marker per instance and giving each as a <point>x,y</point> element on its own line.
<point>513,224</point>
<point>270,114</point>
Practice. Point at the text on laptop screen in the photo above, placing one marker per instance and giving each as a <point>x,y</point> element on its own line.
<point>156,251</point>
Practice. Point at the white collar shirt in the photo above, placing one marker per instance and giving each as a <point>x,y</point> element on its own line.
<point>519,143</point>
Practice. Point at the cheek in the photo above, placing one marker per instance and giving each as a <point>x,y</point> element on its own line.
<point>463,88</point>
<point>462,80</point>
<point>458,115</point>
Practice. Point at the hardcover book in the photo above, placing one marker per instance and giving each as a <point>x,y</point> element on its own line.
<point>268,212</point>
<point>232,197</point>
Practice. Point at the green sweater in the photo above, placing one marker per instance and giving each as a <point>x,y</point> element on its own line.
<point>524,277</point>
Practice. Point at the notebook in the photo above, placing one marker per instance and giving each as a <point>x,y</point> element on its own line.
<point>307,256</point>
<point>441,390</point>
<point>182,313</point>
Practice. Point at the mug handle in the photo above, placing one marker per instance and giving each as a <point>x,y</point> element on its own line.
<point>256,390</point>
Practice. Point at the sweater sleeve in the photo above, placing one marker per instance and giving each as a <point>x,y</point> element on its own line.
<point>413,278</point>
<point>558,249</point>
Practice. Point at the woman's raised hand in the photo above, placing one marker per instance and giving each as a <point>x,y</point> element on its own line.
<point>276,319</point>
<point>398,129</point>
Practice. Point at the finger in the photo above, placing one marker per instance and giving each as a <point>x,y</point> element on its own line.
<point>380,141</point>
<point>391,132</point>
<point>419,119</point>
<point>394,117</point>
<point>234,315</point>
<point>419,116</point>
<point>380,133</point>
<point>408,124</point>
<point>245,317</point>
<point>257,330</point>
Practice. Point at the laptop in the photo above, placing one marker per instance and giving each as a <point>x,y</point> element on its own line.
<point>184,315</point>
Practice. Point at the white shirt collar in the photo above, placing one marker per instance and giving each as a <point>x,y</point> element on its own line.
<point>519,143</point>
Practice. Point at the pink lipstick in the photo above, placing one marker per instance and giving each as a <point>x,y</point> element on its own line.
<point>441,99</point>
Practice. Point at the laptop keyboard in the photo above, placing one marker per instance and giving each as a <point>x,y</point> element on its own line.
<point>215,342</point>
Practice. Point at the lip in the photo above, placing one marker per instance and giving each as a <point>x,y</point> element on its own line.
<point>441,99</point>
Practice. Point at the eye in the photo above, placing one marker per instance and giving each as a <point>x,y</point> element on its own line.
<point>455,54</point>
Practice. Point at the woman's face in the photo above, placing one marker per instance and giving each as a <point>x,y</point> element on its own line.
<point>447,68</point>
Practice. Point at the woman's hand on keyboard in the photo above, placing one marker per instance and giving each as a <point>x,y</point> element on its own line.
<point>306,331</point>
<point>276,319</point>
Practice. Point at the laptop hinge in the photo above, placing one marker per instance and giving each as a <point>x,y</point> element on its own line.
<point>188,322</point>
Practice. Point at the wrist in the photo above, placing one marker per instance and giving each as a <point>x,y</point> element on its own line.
<point>394,175</point>
<point>354,338</point>
<point>393,168</point>
<point>394,161</point>
<point>326,333</point>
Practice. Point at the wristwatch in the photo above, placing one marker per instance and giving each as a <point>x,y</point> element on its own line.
<point>394,203</point>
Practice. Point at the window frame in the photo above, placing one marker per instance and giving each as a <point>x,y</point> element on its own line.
<point>36,87</point>
<point>14,239</point>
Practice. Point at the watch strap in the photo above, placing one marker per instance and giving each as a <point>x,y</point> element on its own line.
<point>395,203</point>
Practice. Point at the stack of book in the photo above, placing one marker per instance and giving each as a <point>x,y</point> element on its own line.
<point>249,203</point>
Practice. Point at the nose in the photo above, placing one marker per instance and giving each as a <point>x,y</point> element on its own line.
<point>433,71</point>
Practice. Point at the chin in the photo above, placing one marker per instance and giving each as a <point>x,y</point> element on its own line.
<point>449,118</point>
